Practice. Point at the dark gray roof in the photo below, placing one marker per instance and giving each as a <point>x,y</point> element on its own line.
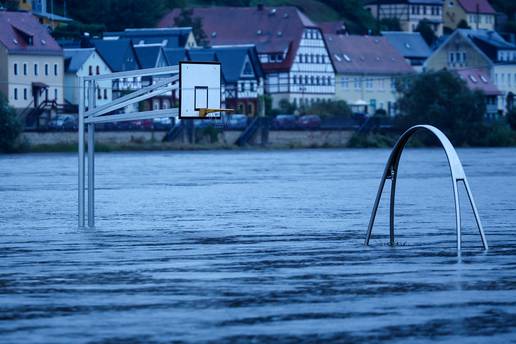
<point>75,58</point>
<point>148,55</point>
<point>175,55</point>
<point>119,54</point>
<point>491,38</point>
<point>408,44</point>
<point>233,58</point>
<point>168,37</point>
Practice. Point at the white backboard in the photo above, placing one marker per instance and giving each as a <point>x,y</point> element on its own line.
<point>199,87</point>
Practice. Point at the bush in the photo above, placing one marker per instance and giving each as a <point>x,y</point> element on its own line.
<point>338,108</point>
<point>511,118</point>
<point>10,127</point>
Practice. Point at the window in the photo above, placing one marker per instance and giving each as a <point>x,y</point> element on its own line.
<point>98,70</point>
<point>55,93</point>
<point>99,93</point>
<point>312,80</point>
<point>357,83</point>
<point>25,69</point>
<point>242,87</point>
<point>344,82</point>
<point>253,87</point>
<point>105,93</point>
<point>36,69</point>
<point>15,94</point>
<point>90,70</point>
<point>46,68</point>
<point>451,57</point>
<point>15,69</point>
<point>317,80</point>
<point>55,69</point>
<point>329,81</point>
<point>294,79</point>
<point>24,94</point>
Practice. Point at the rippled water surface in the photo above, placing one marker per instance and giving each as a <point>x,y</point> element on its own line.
<point>262,246</point>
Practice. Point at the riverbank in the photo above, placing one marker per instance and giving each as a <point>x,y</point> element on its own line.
<point>106,141</point>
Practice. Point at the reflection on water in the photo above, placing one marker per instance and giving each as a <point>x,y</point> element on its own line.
<point>255,246</point>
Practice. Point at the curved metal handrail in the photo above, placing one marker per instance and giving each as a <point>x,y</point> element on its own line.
<point>457,173</point>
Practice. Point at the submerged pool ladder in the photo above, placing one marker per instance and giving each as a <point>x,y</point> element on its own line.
<point>457,174</point>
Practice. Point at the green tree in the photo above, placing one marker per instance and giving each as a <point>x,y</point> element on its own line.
<point>390,24</point>
<point>186,19</point>
<point>442,99</point>
<point>75,30</point>
<point>463,25</point>
<point>118,15</point>
<point>10,126</point>
<point>425,29</point>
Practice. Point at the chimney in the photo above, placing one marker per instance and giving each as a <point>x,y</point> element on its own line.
<point>259,6</point>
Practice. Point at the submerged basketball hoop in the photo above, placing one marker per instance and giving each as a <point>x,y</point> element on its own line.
<point>457,173</point>
<point>199,85</point>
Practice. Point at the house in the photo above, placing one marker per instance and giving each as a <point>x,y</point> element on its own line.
<point>84,62</point>
<point>367,70</point>
<point>477,14</point>
<point>31,61</point>
<point>411,46</point>
<point>481,49</point>
<point>409,12</point>
<point>291,48</point>
<point>45,15</point>
<point>242,75</point>
<point>479,79</point>
<point>151,56</point>
<point>168,38</point>
<point>120,56</point>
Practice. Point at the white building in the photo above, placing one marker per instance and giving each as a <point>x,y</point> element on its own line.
<point>290,46</point>
<point>81,63</point>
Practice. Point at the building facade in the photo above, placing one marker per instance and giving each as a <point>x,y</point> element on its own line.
<point>409,12</point>
<point>367,70</point>
<point>81,63</point>
<point>484,50</point>
<point>291,48</point>
<point>31,62</point>
<point>477,14</point>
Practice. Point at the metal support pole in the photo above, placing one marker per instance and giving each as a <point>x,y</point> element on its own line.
<point>475,212</point>
<point>91,158</point>
<point>81,152</point>
<point>457,214</point>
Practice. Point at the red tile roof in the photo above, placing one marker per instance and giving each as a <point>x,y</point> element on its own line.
<point>271,29</point>
<point>478,79</point>
<point>16,28</point>
<point>472,6</point>
<point>365,55</point>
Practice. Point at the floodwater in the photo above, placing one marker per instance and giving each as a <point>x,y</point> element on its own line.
<point>255,246</point>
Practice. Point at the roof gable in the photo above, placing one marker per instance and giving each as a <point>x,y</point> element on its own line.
<point>150,56</point>
<point>20,32</point>
<point>119,54</point>
<point>270,29</point>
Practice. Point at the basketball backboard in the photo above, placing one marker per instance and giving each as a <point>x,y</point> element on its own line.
<point>199,90</point>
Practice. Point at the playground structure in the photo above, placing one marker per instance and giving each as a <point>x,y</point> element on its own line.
<point>199,87</point>
<point>457,174</point>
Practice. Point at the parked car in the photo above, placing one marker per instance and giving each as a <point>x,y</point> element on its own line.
<point>63,122</point>
<point>237,121</point>
<point>282,122</point>
<point>164,123</point>
<point>309,122</point>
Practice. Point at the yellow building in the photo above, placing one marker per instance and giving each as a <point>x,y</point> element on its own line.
<point>367,69</point>
<point>478,14</point>
<point>31,62</point>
